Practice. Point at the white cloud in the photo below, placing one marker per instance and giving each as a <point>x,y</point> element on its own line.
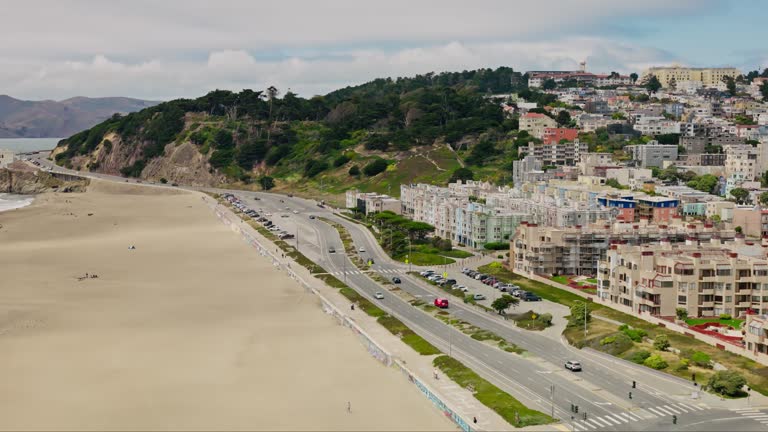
<point>175,48</point>
<point>237,69</point>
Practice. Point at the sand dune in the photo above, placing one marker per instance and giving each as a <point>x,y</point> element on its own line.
<point>191,330</point>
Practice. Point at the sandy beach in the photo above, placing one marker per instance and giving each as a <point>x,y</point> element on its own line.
<point>190,330</point>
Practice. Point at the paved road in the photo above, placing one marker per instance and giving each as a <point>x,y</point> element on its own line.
<point>601,390</point>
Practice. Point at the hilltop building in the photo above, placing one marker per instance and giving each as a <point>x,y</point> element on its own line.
<point>708,77</point>
<point>6,158</point>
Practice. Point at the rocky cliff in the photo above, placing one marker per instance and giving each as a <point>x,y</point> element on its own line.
<point>19,178</point>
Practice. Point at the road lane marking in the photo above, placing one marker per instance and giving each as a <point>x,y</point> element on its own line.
<point>655,412</point>
<point>671,408</point>
<point>618,421</point>
<point>591,421</point>
<point>602,421</point>
<point>636,417</point>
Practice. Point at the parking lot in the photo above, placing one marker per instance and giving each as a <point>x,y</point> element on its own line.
<point>475,286</point>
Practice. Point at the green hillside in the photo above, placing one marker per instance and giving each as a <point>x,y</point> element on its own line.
<point>374,136</point>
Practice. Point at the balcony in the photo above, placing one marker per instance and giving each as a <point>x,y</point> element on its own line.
<point>708,304</point>
<point>710,291</point>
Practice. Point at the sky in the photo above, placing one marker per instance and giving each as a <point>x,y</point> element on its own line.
<point>167,49</point>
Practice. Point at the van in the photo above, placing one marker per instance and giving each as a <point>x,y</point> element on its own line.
<point>442,303</point>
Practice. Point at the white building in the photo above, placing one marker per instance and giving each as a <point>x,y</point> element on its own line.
<point>741,164</point>
<point>371,202</point>
<point>6,158</point>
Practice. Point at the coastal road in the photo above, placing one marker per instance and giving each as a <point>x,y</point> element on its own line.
<point>601,390</point>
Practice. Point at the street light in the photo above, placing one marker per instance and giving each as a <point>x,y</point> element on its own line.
<point>585,319</point>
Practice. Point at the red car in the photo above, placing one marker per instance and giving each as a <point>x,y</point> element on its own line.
<point>442,303</point>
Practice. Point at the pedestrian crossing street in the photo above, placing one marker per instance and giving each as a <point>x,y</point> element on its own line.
<point>752,413</point>
<point>636,415</point>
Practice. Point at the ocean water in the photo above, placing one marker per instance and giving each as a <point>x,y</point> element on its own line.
<point>11,201</point>
<point>21,145</point>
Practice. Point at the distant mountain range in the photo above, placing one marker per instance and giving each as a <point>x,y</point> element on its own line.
<point>53,119</point>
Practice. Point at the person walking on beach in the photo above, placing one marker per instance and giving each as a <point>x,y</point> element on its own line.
<point>349,407</point>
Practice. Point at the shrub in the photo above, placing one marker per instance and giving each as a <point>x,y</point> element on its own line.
<point>354,170</point>
<point>163,180</point>
<point>682,365</point>
<point>314,167</point>
<point>546,318</point>
<point>496,245</point>
<point>727,382</point>
<point>661,342</point>
<point>376,167</point>
<point>682,313</point>
<point>341,160</point>
<point>701,359</point>
<point>224,139</point>
<point>615,344</point>
<point>639,357</point>
<point>725,316</point>
<point>655,362</point>
<point>221,158</point>
<point>636,335</point>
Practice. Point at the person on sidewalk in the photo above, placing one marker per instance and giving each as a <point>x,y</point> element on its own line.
<point>474,420</point>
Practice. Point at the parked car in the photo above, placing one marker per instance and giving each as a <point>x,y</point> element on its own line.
<point>311,216</point>
<point>379,295</point>
<point>461,287</point>
<point>479,276</point>
<point>396,280</point>
<point>256,199</point>
<point>426,273</point>
<point>573,365</point>
<point>478,297</point>
<point>361,249</point>
<point>450,281</point>
<point>442,303</point>
<point>518,293</point>
<point>529,296</point>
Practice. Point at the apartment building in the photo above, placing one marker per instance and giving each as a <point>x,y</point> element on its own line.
<point>555,135</point>
<point>536,123</point>
<point>704,159</point>
<point>578,251</point>
<point>741,164</point>
<point>554,153</point>
<point>709,77</point>
<point>526,169</point>
<point>753,221</point>
<point>698,144</point>
<point>657,126</point>
<point>635,178</point>
<point>652,154</point>
<point>705,279</point>
<point>6,158</point>
<point>756,331</point>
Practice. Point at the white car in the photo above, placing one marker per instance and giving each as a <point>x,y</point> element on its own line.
<point>573,366</point>
<point>361,249</point>
<point>462,288</point>
<point>295,212</point>
<point>379,295</point>
<point>478,297</point>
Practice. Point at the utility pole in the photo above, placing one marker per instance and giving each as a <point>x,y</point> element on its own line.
<point>297,237</point>
<point>552,399</point>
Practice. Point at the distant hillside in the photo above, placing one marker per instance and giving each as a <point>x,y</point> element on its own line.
<point>375,136</point>
<point>52,119</point>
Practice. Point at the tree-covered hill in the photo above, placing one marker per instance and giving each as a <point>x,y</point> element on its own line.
<point>339,137</point>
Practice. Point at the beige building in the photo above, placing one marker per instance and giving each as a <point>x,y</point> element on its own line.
<point>709,77</point>
<point>753,222</point>
<point>706,279</point>
<point>372,202</point>
<point>535,123</point>
<point>578,250</point>
<point>756,329</point>
<point>6,158</point>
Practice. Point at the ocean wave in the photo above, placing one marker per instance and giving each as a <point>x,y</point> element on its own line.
<point>10,202</point>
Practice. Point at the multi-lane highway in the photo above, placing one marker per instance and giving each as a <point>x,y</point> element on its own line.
<point>601,390</point>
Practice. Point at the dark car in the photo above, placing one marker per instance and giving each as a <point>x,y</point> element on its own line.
<point>529,296</point>
<point>396,280</point>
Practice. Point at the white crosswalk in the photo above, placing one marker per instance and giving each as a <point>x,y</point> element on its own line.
<point>753,413</point>
<point>616,420</point>
<point>357,272</point>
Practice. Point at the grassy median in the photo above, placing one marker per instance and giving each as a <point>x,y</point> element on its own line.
<point>509,408</point>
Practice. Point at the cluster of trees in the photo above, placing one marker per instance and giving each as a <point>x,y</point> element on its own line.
<point>393,113</point>
<point>398,231</point>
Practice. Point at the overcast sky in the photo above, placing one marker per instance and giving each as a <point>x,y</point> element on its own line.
<point>164,49</point>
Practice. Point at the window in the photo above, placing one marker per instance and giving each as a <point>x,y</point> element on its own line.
<point>728,299</point>
<point>681,299</point>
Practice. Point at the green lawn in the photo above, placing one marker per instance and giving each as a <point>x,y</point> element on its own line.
<point>735,323</point>
<point>560,279</point>
<point>491,396</point>
<point>396,327</point>
<point>592,280</point>
<point>456,253</point>
<point>425,259</point>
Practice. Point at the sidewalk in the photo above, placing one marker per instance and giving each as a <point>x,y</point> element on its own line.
<point>459,399</point>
